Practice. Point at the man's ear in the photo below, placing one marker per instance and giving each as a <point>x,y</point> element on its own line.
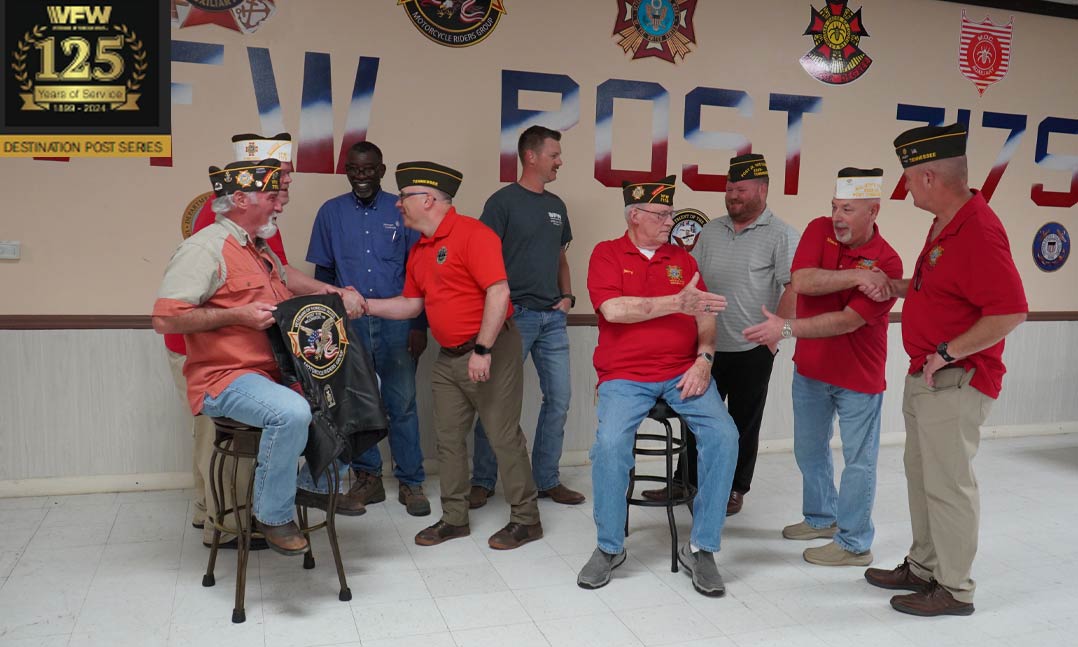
<point>240,198</point>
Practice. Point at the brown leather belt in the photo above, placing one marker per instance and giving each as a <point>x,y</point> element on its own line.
<point>463,349</point>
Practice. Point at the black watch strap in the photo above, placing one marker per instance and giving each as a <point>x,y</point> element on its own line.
<point>480,349</point>
<point>942,350</point>
<point>572,299</point>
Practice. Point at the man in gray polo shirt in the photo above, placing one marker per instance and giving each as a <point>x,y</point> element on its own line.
<point>746,257</point>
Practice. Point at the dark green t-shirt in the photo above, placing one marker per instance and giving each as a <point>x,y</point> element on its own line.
<point>534,227</point>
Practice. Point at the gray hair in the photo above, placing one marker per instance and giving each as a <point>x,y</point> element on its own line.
<point>225,204</point>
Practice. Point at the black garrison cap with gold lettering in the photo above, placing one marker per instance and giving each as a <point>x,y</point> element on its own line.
<point>252,177</point>
<point>747,167</point>
<point>429,174</point>
<point>660,192</point>
<point>930,143</point>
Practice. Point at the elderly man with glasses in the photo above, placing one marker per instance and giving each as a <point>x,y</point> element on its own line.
<point>656,341</point>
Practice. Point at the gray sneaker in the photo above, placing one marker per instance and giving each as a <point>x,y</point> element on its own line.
<point>596,573</point>
<point>705,575</point>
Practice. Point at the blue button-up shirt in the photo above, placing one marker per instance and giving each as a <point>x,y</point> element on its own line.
<point>365,247</point>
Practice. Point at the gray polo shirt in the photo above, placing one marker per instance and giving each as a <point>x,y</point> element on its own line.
<point>750,268</point>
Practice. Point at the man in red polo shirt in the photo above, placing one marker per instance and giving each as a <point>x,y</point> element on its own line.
<point>456,273</point>
<point>656,341</point>
<point>838,366</point>
<point>964,298</point>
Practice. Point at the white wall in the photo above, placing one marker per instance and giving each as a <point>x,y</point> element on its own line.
<point>97,409</point>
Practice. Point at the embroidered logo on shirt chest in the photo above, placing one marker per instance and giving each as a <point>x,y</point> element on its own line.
<point>555,218</point>
<point>443,254</point>
<point>676,276</point>
<point>934,255</point>
<point>865,263</point>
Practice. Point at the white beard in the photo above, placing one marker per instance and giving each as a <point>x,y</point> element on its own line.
<point>266,231</point>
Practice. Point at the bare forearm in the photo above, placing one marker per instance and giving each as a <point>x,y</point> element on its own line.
<point>829,324</point>
<point>985,333</point>
<point>395,308</point>
<point>635,309</point>
<point>301,284</point>
<point>705,333</point>
<point>787,308</point>
<point>813,281</point>
<point>197,320</point>
<point>565,283</point>
<point>494,309</point>
<point>899,288</point>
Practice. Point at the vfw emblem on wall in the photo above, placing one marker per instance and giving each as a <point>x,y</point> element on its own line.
<point>836,57</point>
<point>454,23</point>
<point>661,28</point>
<point>244,16</point>
<point>984,51</point>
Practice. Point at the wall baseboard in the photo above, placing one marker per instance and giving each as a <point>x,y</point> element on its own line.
<point>180,480</point>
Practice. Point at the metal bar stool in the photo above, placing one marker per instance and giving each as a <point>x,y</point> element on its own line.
<point>662,412</point>
<point>240,442</point>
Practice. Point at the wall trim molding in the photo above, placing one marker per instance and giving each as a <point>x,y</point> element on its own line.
<point>142,322</point>
<point>60,486</point>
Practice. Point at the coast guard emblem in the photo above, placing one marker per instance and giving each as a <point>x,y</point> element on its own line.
<point>984,51</point>
<point>659,28</point>
<point>1051,247</point>
<point>836,57</point>
<point>454,23</point>
<point>319,339</point>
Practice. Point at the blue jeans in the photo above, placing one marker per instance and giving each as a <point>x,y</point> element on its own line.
<point>815,406</point>
<point>386,342</point>
<point>623,405</point>
<point>543,334</point>
<point>284,417</point>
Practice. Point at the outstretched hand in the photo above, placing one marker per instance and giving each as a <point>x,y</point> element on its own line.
<point>768,333</point>
<point>693,301</point>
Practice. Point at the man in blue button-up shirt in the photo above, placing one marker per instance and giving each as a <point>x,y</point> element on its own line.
<point>359,239</point>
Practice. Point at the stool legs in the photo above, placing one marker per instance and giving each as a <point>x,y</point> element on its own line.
<point>670,499</point>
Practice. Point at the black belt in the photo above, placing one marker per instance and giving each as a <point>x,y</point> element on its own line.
<point>463,349</point>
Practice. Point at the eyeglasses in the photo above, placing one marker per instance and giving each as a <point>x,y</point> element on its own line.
<point>407,194</point>
<point>661,215</point>
<point>360,170</point>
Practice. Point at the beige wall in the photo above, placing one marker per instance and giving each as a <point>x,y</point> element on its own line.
<point>97,234</point>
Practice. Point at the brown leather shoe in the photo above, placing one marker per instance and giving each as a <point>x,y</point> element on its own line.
<point>562,495</point>
<point>414,501</point>
<point>515,535</point>
<point>439,532</point>
<point>348,505</point>
<point>900,578</point>
<point>477,497</point>
<point>660,494</point>
<point>933,601</point>
<point>733,506</point>
<point>368,488</point>
<point>286,539</point>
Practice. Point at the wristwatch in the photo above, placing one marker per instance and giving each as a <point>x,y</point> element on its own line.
<point>708,356</point>
<point>942,351</point>
<point>787,329</point>
<point>572,299</point>
<point>480,349</point>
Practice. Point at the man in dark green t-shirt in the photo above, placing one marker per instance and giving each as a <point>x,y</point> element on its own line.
<point>533,224</point>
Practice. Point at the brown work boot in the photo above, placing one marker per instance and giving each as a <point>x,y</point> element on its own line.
<point>439,532</point>
<point>733,506</point>
<point>477,497</point>
<point>415,502</point>
<point>661,495</point>
<point>899,578</point>
<point>348,505</point>
<point>933,601</point>
<point>368,488</point>
<point>562,495</point>
<point>286,539</point>
<point>515,535</point>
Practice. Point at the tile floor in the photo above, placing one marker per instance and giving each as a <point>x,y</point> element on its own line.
<point>126,569</point>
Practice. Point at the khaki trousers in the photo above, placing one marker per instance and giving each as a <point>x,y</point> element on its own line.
<point>497,401</point>
<point>204,433</point>
<point>943,432</point>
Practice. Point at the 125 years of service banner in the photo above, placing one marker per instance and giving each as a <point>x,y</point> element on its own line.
<point>84,78</point>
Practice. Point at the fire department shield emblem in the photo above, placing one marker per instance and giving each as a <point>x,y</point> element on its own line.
<point>984,51</point>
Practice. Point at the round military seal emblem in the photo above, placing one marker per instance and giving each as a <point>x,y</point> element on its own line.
<point>660,28</point>
<point>454,23</point>
<point>319,339</point>
<point>1051,247</point>
<point>190,214</point>
<point>688,223</point>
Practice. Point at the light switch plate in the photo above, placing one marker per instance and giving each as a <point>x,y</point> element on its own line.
<point>10,250</point>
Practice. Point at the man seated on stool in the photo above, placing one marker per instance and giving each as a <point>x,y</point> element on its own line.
<point>656,340</point>
<point>220,290</point>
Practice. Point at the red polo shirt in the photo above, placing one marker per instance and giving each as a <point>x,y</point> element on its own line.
<point>966,273</point>
<point>648,351</point>
<point>205,218</point>
<point>451,272</point>
<point>855,360</point>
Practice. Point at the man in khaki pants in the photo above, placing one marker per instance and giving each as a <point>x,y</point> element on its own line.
<point>964,298</point>
<point>456,273</point>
